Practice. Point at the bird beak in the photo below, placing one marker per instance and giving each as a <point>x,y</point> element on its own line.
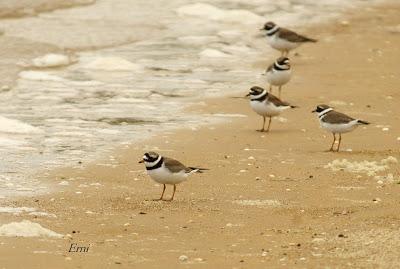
<point>247,95</point>
<point>314,111</point>
<point>141,161</point>
<point>261,29</point>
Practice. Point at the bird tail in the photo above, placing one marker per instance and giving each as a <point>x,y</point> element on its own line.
<point>307,39</point>
<point>198,169</point>
<point>363,122</point>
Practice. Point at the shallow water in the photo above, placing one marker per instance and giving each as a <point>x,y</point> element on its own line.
<point>137,65</point>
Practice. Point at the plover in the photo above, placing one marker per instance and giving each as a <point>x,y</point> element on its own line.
<point>278,73</point>
<point>336,122</point>
<point>165,170</point>
<point>266,105</point>
<point>283,39</point>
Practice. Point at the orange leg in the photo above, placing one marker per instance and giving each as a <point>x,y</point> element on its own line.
<point>162,194</point>
<point>269,123</point>
<point>340,140</point>
<point>262,129</point>
<point>173,194</point>
<point>333,143</point>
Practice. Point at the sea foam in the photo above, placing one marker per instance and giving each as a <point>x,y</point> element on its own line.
<point>51,60</point>
<point>113,64</point>
<point>211,12</point>
<point>15,126</point>
<point>26,228</point>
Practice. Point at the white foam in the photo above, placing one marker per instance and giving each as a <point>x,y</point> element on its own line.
<point>213,53</point>
<point>15,126</point>
<point>211,12</point>
<point>7,142</point>
<point>198,40</point>
<point>16,210</point>
<point>39,75</point>
<point>51,60</point>
<point>26,228</point>
<point>113,64</point>
<point>371,168</point>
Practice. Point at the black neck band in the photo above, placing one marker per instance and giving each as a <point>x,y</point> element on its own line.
<point>261,98</point>
<point>272,33</point>
<point>276,67</point>
<point>157,165</point>
<point>320,116</point>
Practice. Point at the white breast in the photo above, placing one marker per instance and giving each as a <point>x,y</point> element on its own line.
<point>281,44</point>
<point>278,77</point>
<point>266,109</point>
<point>163,176</point>
<point>339,128</point>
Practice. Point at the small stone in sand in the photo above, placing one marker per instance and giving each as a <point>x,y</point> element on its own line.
<point>376,200</point>
<point>345,23</point>
<point>183,258</point>
<point>5,88</point>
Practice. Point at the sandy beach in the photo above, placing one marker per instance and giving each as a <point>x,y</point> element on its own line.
<point>269,200</point>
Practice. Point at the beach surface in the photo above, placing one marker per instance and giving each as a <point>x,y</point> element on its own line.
<point>269,200</point>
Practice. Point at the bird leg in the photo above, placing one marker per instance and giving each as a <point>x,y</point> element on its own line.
<point>270,88</point>
<point>280,87</point>
<point>333,143</point>
<point>262,129</point>
<point>269,123</point>
<point>173,194</point>
<point>340,140</point>
<point>162,194</point>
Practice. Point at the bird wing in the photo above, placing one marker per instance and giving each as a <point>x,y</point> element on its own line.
<point>293,36</point>
<point>336,117</point>
<point>175,166</point>
<point>276,101</point>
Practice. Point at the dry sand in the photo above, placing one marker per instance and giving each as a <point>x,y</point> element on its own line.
<point>268,201</point>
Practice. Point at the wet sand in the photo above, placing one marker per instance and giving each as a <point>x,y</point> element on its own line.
<point>268,201</point>
<point>20,8</point>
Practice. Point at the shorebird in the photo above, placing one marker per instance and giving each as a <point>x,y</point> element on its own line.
<point>336,123</point>
<point>266,105</point>
<point>278,73</point>
<point>166,170</point>
<point>283,39</point>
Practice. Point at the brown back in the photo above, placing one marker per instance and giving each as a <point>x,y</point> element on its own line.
<point>292,36</point>
<point>336,117</point>
<point>175,166</point>
<point>276,101</point>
